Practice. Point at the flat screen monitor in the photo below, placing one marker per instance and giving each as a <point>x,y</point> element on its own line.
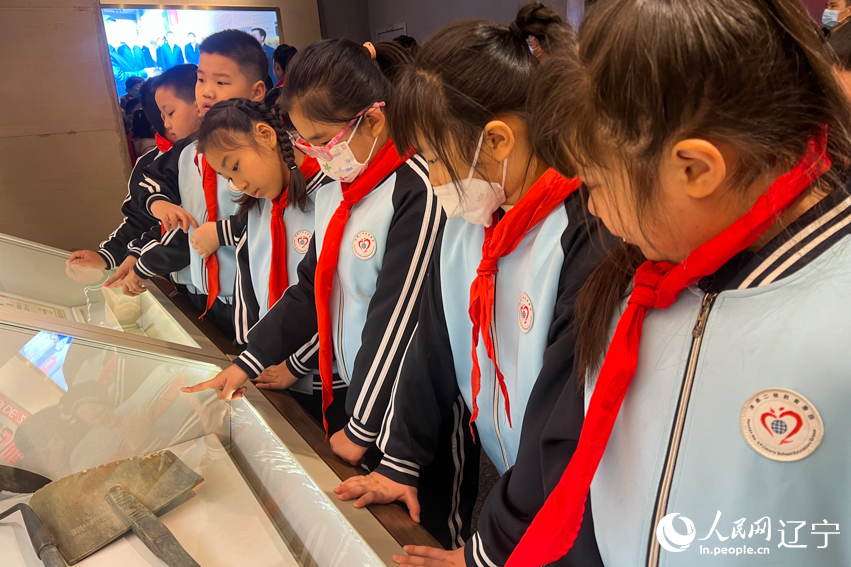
<point>147,40</point>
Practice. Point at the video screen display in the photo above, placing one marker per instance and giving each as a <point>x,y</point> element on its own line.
<point>144,42</point>
<point>47,351</point>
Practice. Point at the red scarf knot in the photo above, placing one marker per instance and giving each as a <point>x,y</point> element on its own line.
<point>646,290</point>
<point>488,267</point>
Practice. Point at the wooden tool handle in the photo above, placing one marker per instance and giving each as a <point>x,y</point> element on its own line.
<point>51,557</point>
<point>149,529</point>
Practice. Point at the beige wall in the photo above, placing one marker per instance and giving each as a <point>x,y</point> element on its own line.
<point>425,18</point>
<point>63,157</point>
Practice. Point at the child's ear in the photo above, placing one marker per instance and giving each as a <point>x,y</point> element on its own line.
<point>267,135</point>
<point>258,91</point>
<point>375,122</point>
<point>498,140</point>
<point>699,167</point>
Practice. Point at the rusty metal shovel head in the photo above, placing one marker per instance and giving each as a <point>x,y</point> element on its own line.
<point>78,515</point>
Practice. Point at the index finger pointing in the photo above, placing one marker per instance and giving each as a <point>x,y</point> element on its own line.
<point>208,385</point>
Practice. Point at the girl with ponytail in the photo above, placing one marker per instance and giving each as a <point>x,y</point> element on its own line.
<point>495,342</point>
<point>247,145</point>
<point>715,141</point>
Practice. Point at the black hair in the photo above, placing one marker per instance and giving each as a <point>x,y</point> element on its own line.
<point>261,30</point>
<point>332,80</point>
<point>149,105</point>
<point>283,54</point>
<point>180,80</point>
<point>410,44</point>
<point>131,105</point>
<point>142,127</point>
<point>191,33</point>
<point>467,73</point>
<point>229,124</point>
<point>243,49</point>
<point>630,91</point>
<point>131,82</point>
<point>169,32</point>
<point>840,42</point>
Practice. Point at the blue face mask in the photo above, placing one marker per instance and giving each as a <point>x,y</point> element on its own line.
<point>830,19</point>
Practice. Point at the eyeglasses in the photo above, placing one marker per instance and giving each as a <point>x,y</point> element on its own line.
<point>323,152</point>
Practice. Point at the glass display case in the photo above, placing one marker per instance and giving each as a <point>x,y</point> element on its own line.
<point>76,392</point>
<point>38,281</point>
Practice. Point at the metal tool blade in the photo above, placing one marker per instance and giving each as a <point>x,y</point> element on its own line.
<point>149,529</point>
<point>75,509</point>
<point>20,481</point>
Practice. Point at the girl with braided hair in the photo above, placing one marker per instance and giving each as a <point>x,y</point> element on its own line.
<point>248,145</point>
<point>357,300</point>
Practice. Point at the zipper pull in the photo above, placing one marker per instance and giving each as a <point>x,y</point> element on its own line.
<point>708,301</point>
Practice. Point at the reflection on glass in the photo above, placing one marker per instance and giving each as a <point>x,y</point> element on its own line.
<point>116,404</point>
<point>47,351</point>
<point>66,406</point>
<point>38,280</point>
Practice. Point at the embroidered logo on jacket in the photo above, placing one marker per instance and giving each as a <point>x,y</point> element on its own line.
<point>364,245</point>
<point>525,315</point>
<point>301,241</point>
<point>781,424</point>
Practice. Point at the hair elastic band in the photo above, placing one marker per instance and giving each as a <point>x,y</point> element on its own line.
<point>371,49</point>
<point>293,166</point>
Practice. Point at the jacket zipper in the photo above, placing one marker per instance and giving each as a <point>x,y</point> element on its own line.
<point>679,423</point>
<point>341,362</point>
<point>496,394</point>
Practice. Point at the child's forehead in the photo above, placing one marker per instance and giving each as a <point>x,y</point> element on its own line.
<point>168,96</point>
<point>218,64</point>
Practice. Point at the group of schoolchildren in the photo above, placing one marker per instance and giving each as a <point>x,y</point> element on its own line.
<point>616,260</point>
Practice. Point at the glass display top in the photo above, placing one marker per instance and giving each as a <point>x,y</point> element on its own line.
<point>71,405</point>
<point>38,280</point>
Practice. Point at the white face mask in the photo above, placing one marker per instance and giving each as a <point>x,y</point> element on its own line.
<point>476,199</point>
<point>343,165</point>
<point>830,18</point>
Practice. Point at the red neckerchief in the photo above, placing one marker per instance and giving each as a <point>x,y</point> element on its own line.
<point>384,163</point>
<point>657,285</point>
<point>281,82</point>
<point>210,183</point>
<point>278,280</point>
<point>163,144</point>
<point>501,238</point>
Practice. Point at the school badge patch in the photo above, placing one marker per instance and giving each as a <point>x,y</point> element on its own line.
<point>525,315</point>
<point>301,241</point>
<point>781,425</point>
<point>364,245</point>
